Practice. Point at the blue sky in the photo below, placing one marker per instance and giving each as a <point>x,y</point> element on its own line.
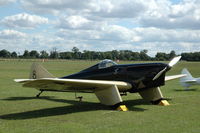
<point>101,25</point>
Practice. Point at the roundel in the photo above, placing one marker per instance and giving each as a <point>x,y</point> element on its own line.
<point>34,74</point>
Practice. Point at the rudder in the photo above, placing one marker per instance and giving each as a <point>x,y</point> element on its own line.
<point>38,71</point>
<point>187,77</point>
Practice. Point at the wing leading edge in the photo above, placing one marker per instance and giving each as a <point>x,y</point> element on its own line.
<point>167,78</point>
<point>78,84</point>
<point>106,91</point>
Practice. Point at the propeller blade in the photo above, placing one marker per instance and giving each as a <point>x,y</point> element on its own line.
<point>171,64</point>
<point>159,74</point>
<point>174,61</point>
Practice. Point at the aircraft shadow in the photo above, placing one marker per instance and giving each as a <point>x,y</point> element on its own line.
<point>27,98</point>
<point>74,108</point>
<point>194,89</point>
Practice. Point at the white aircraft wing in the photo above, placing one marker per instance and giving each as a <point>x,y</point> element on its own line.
<point>106,91</point>
<point>71,84</point>
<point>167,78</point>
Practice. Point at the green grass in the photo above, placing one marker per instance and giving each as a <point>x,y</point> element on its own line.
<point>56,112</point>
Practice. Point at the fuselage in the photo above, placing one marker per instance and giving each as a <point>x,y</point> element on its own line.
<point>140,76</point>
<point>196,81</point>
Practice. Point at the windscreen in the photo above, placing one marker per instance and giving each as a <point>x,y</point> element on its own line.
<point>106,63</point>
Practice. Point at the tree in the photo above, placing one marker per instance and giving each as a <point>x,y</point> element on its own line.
<point>44,54</point>
<point>26,54</point>
<point>54,54</point>
<point>14,55</point>
<point>161,56</point>
<point>87,55</point>
<point>143,55</point>
<point>172,54</point>
<point>135,56</point>
<point>34,54</point>
<point>108,55</point>
<point>65,55</point>
<point>75,50</point>
<point>115,54</point>
<point>4,53</point>
<point>191,56</point>
<point>76,54</point>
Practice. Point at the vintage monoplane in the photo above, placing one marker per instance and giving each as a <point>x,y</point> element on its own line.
<point>108,81</point>
<point>188,80</point>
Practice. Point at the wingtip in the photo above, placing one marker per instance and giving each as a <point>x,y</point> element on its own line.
<point>17,80</point>
<point>21,80</point>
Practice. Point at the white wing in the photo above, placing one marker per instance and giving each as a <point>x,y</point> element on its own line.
<point>106,91</point>
<point>71,84</point>
<point>174,77</point>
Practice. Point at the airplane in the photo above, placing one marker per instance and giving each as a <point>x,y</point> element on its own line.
<point>188,80</point>
<point>108,81</point>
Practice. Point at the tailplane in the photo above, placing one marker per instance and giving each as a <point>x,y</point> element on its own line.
<point>38,71</point>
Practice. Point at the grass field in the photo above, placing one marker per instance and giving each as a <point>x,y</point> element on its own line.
<point>56,112</point>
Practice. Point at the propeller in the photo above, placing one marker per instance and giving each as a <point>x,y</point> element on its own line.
<point>171,64</point>
<point>174,61</point>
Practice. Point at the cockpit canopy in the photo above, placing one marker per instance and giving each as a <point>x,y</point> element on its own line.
<point>106,63</point>
<point>103,64</point>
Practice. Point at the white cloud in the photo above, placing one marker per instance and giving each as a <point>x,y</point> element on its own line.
<point>4,2</point>
<point>115,33</point>
<point>151,13</point>
<point>167,35</point>
<point>11,34</point>
<point>164,14</point>
<point>98,8</point>
<point>78,35</point>
<point>108,33</point>
<point>74,22</point>
<point>12,40</point>
<point>55,7</point>
<point>104,25</point>
<point>117,9</point>
<point>23,20</point>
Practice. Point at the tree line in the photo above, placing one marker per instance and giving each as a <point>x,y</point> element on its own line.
<point>75,53</point>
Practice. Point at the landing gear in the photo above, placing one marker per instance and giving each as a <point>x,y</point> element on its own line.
<point>79,97</point>
<point>123,94</point>
<point>38,95</point>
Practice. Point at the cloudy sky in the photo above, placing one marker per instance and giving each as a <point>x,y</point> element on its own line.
<point>100,25</point>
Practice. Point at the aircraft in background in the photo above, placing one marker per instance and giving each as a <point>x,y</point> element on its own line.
<point>108,81</point>
<point>188,80</point>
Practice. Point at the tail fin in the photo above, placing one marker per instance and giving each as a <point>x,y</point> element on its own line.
<point>38,71</point>
<point>188,77</point>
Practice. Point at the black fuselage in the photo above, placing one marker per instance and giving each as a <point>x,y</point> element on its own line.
<point>139,75</point>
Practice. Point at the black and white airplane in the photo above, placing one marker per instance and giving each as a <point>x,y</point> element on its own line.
<point>108,81</point>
